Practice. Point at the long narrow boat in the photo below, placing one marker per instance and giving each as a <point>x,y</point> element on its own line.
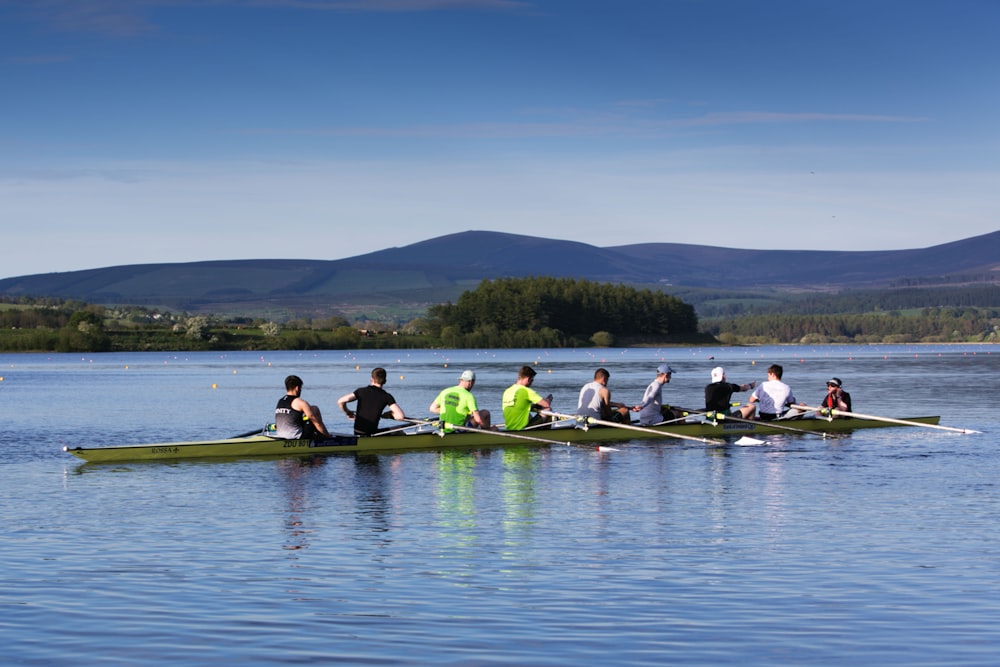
<point>265,445</point>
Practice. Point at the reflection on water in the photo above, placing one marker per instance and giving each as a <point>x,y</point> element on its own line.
<point>456,494</point>
<point>518,494</point>
<point>297,474</point>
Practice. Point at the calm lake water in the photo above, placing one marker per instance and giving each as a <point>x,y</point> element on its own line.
<point>880,547</point>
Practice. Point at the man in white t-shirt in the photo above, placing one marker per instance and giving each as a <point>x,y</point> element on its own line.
<point>771,399</point>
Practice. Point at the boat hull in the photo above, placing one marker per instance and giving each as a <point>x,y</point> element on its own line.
<point>264,445</point>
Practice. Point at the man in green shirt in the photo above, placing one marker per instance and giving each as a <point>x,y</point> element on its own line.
<point>457,406</point>
<point>520,399</point>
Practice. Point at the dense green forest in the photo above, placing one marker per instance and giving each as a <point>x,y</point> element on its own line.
<point>529,312</point>
<point>560,312</point>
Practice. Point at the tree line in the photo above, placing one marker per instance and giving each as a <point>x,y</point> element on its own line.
<point>711,304</point>
<point>522,312</point>
<point>925,325</point>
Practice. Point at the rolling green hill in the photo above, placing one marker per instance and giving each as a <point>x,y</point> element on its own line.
<point>404,282</point>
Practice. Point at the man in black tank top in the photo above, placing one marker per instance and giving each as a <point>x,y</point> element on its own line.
<point>294,418</point>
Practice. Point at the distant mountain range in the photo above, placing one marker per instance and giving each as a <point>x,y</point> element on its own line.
<point>437,270</point>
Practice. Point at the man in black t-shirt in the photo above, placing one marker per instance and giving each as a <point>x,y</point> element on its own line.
<point>372,400</point>
<point>719,394</point>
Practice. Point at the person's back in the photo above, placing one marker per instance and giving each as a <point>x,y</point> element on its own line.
<point>519,399</point>
<point>719,396</point>
<point>294,418</point>
<point>595,400</point>
<point>372,400</point>
<point>590,401</point>
<point>772,396</point>
<point>287,420</point>
<point>457,406</point>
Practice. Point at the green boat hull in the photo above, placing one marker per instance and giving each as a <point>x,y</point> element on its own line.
<point>264,445</point>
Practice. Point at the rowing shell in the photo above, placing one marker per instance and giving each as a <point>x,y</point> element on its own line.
<point>265,445</point>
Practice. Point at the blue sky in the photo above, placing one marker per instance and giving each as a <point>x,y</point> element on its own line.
<point>141,131</point>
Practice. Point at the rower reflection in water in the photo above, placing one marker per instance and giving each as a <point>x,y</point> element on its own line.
<point>297,474</point>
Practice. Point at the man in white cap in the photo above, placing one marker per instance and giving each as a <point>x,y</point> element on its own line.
<point>719,393</point>
<point>651,410</point>
<point>457,406</point>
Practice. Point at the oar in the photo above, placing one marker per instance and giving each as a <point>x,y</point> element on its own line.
<point>674,420</point>
<point>890,420</point>
<point>504,434</point>
<point>391,431</point>
<point>256,431</point>
<point>769,424</point>
<point>630,427</point>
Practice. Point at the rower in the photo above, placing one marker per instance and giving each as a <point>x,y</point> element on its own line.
<point>371,402</point>
<point>294,418</point>
<point>836,398</point>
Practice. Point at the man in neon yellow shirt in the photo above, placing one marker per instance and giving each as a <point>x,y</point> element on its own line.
<point>457,406</point>
<point>519,399</point>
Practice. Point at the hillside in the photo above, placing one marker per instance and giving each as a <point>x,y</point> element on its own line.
<point>408,279</point>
